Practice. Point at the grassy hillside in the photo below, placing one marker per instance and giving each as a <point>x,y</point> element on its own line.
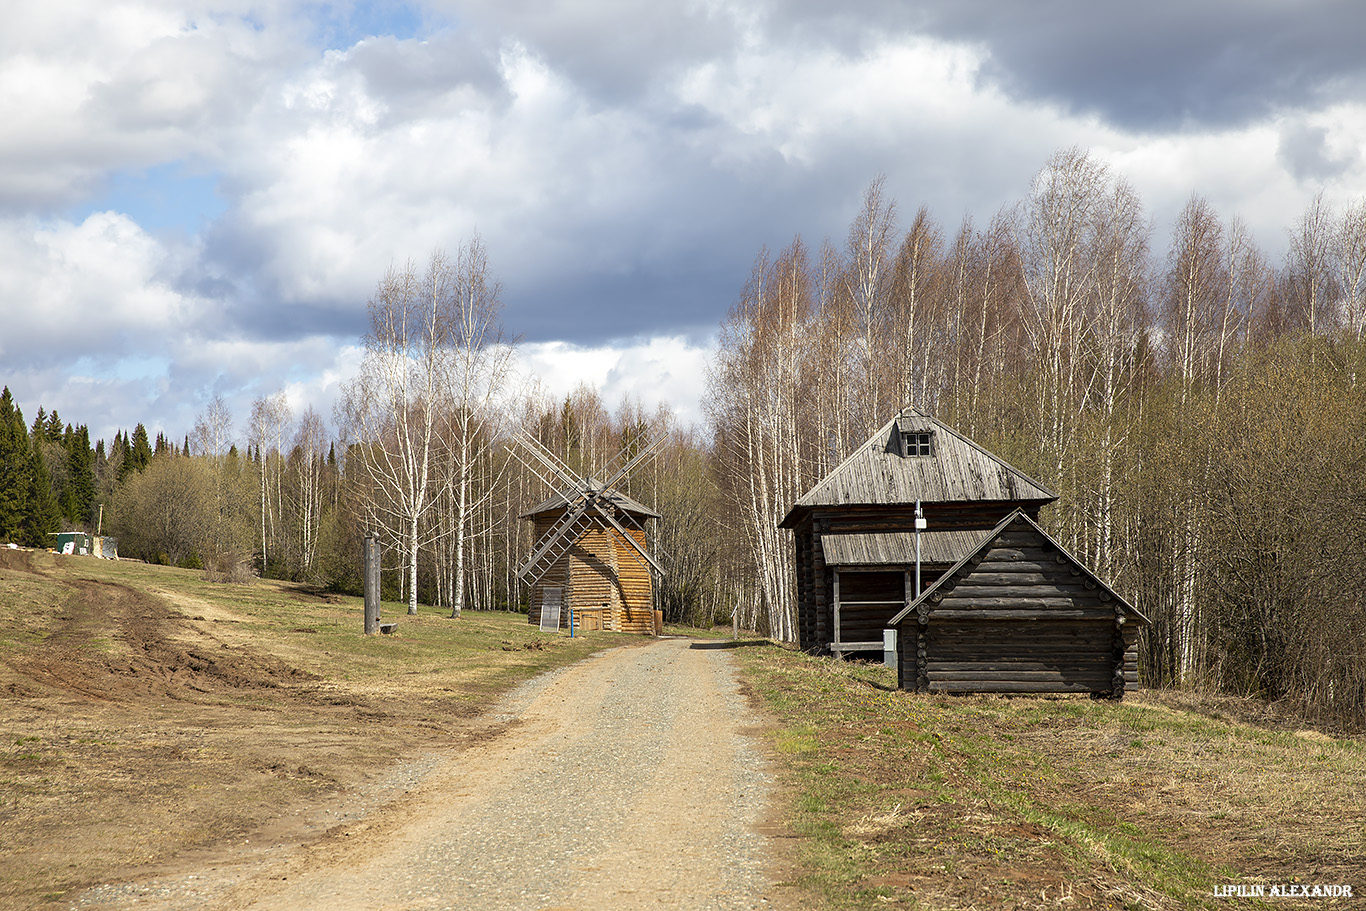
<point>998,802</point>
<point>147,712</point>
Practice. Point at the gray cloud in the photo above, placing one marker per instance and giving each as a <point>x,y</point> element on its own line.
<point>1164,64</point>
<point>1304,151</point>
<point>624,163</point>
<point>613,49</point>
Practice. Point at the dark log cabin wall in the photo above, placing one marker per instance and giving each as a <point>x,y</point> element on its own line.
<point>1019,615</point>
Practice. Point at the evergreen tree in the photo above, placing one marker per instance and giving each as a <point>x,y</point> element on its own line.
<point>78,496</point>
<point>140,451</point>
<point>162,447</point>
<point>14,467</point>
<point>118,453</point>
<point>43,517</point>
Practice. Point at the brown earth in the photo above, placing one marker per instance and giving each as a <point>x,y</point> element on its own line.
<point>150,756</point>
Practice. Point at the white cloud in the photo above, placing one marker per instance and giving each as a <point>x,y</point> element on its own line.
<point>667,370</point>
<point>89,87</point>
<point>97,289</point>
<point>624,164</point>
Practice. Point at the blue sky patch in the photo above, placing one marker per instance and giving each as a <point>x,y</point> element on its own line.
<point>340,26</point>
<point>164,199</point>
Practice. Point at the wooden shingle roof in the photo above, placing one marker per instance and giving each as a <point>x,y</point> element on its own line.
<point>622,502</point>
<point>897,548</point>
<point>956,470</point>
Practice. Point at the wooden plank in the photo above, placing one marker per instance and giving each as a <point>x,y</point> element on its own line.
<point>994,564</point>
<point>1038,609</point>
<point>996,625</point>
<point>1018,578</point>
<point>1028,538</point>
<point>1045,652</point>
<point>1021,554</point>
<point>1031,634</point>
<point>857,646</point>
<point>971,589</point>
<point>990,605</point>
<point>1090,678</point>
<point>1008,663</point>
<point>1013,686</point>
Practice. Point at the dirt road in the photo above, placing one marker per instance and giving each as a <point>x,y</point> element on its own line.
<point>627,781</point>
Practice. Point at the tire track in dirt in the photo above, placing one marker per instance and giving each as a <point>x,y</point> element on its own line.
<point>630,780</point>
<point>144,659</point>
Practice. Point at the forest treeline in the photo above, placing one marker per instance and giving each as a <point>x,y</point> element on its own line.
<point>1198,407</point>
<point>1196,404</point>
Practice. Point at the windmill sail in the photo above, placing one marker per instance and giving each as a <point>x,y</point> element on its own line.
<point>589,533</point>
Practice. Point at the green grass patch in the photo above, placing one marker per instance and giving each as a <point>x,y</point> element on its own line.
<point>1021,802</point>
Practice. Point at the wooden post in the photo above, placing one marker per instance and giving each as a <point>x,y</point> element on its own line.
<point>835,598</point>
<point>370,568</point>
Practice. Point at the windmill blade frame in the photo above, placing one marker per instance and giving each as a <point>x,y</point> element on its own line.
<point>580,505</point>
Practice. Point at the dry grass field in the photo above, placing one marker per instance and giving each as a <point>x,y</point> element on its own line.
<point>147,713</point>
<point>151,719</point>
<point>1032,802</point>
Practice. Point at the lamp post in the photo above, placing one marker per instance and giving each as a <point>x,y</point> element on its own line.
<point>919,527</point>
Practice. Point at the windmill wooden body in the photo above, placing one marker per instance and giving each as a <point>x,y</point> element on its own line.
<point>592,551</point>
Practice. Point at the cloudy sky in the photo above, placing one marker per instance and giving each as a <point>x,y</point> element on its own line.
<point>199,197</point>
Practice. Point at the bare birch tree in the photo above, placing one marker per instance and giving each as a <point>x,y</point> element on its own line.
<point>306,490</point>
<point>755,388</point>
<point>1056,234</point>
<point>476,371</point>
<point>212,440</point>
<point>867,284</point>
<point>1349,255</point>
<point>914,273</point>
<point>270,418</point>
<point>392,405</point>
<point>1308,266</point>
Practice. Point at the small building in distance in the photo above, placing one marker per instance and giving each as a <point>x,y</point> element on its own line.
<point>78,543</point>
<point>589,565</point>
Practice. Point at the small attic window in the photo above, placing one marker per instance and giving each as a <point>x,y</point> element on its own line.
<point>917,443</point>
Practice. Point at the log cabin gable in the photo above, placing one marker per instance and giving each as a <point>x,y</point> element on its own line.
<point>914,457</point>
<point>1019,562</point>
<point>1018,614</point>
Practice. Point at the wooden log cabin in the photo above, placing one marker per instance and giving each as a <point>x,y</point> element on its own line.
<point>1018,614</point>
<point>855,530</point>
<point>856,549</point>
<point>599,575</point>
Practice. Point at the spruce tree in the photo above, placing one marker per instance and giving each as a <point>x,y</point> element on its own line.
<point>42,516</point>
<point>78,498</point>
<point>140,453</point>
<point>14,467</point>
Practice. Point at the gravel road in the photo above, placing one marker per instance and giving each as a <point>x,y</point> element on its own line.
<point>625,781</point>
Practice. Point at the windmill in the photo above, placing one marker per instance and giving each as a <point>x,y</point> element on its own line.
<point>592,551</point>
